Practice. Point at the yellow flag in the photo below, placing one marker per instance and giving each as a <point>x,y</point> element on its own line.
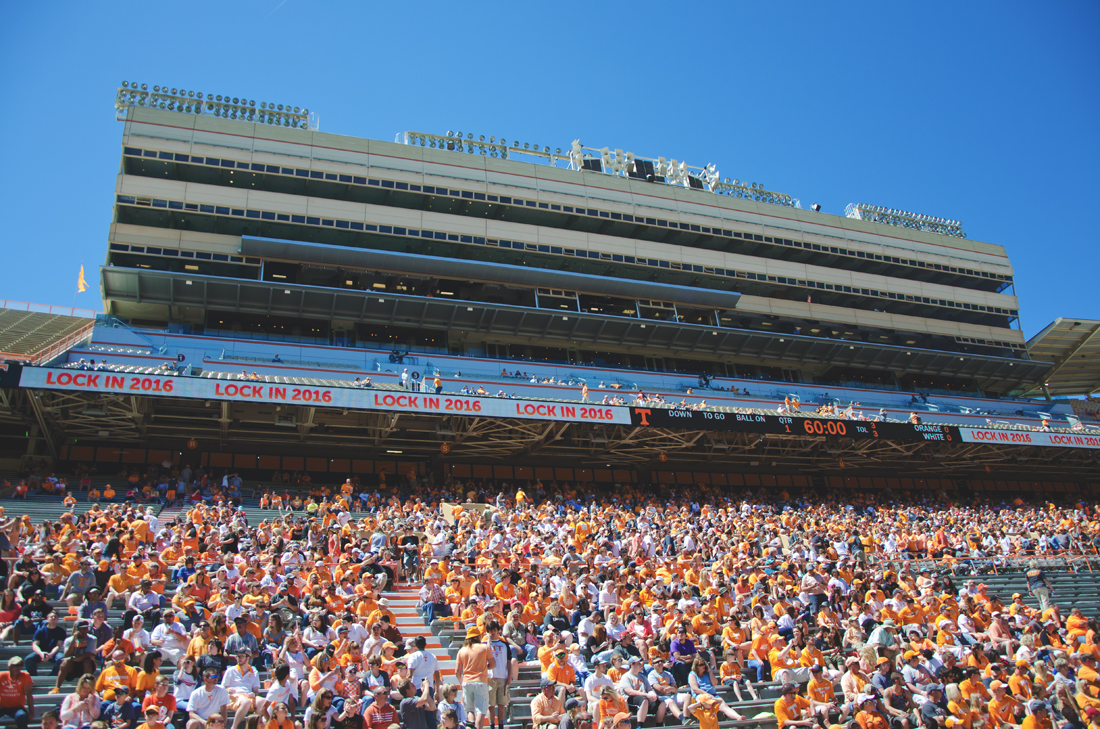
<point>81,284</point>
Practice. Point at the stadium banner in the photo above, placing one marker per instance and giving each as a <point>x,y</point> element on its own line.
<point>787,425</point>
<point>1029,438</point>
<point>201,388</point>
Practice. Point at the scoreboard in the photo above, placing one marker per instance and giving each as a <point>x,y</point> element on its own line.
<point>788,425</point>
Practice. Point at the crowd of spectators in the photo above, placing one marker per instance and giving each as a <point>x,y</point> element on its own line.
<point>635,606</point>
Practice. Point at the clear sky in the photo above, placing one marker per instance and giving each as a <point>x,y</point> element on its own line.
<point>985,112</point>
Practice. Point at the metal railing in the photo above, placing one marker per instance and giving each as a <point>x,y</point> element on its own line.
<point>48,309</point>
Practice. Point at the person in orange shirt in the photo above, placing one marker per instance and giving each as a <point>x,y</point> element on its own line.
<point>505,591</point>
<point>868,716</point>
<point>972,684</point>
<point>790,709</point>
<point>1020,682</point>
<point>1038,716</point>
<point>1003,709</point>
<point>1087,672</point>
<point>562,674</point>
<point>730,674</point>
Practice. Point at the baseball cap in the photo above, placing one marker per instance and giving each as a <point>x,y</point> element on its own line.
<point>993,686</point>
<point>547,683</point>
<point>621,717</point>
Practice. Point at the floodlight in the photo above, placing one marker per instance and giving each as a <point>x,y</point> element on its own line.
<point>816,208</point>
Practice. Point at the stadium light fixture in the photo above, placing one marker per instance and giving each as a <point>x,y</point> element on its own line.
<point>905,219</point>
<point>133,95</point>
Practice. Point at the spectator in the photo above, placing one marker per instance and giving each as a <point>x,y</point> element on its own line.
<point>81,708</point>
<point>208,705</point>
<point>47,645</point>
<point>16,693</point>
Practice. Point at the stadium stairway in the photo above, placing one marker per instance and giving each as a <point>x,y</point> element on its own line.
<point>404,599</point>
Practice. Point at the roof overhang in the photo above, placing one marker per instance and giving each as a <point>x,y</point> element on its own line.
<point>567,328</point>
<point>1072,348</point>
<point>457,268</point>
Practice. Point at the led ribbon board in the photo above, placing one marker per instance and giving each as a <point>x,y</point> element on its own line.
<point>201,388</point>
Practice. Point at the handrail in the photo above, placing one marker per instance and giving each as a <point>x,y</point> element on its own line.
<point>49,309</point>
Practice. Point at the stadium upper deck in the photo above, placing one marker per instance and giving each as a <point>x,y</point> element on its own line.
<point>240,229</point>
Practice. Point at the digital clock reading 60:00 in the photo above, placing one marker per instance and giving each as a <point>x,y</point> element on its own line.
<point>824,427</point>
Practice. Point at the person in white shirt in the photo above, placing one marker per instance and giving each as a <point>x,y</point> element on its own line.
<point>595,683</point>
<point>283,690</point>
<point>152,520</point>
<point>422,665</point>
<point>144,599</point>
<point>138,635</point>
<point>357,632</point>
<point>206,702</point>
<point>243,685</point>
<point>170,638</point>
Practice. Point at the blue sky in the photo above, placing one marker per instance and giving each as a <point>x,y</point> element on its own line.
<point>985,112</point>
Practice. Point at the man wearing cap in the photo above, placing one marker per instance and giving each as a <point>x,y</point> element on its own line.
<point>853,680</point>
<point>78,583</point>
<point>1020,681</point>
<point>1088,673</point>
<point>884,638</point>
<point>1004,710</point>
<point>868,715</point>
<point>143,602</point>
<point>1038,716</point>
<point>790,709</point>
<point>77,655</point>
<point>881,676</point>
<point>933,714</point>
<point>242,639</point>
<point>472,673</point>
<point>662,683</point>
<point>169,638</point>
<point>16,693</point>
<point>547,708</point>
<point>638,694</point>
<point>433,600</point>
<point>243,686</point>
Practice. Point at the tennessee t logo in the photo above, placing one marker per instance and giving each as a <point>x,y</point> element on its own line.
<point>644,412</point>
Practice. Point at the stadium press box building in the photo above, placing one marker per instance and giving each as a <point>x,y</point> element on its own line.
<point>463,245</point>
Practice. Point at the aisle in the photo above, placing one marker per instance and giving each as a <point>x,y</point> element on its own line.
<point>410,622</point>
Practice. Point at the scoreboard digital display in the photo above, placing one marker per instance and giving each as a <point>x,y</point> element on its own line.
<point>788,425</point>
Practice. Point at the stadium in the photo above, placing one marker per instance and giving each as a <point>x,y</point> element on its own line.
<point>685,396</point>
